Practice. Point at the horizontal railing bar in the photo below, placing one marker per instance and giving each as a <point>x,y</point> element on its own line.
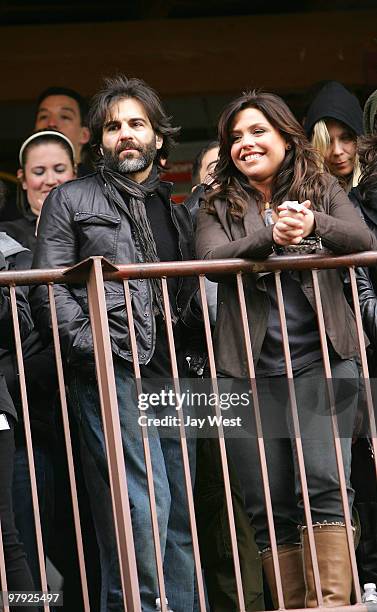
<point>350,608</point>
<point>189,268</point>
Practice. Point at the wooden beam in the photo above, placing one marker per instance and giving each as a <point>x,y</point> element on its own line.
<point>186,57</point>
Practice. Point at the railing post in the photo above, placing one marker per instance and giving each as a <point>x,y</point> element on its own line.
<point>112,431</point>
<point>29,446</point>
<point>68,446</point>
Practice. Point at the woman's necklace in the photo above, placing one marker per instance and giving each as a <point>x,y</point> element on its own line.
<point>268,212</point>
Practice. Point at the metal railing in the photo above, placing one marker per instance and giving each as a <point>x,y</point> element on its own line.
<point>94,272</point>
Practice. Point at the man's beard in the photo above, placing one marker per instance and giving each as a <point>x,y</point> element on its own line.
<point>130,165</point>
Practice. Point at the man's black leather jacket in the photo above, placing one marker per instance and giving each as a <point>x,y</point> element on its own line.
<point>85,218</point>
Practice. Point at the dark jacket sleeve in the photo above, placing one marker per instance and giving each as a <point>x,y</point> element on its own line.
<point>341,228</point>
<point>368,304</point>
<point>56,247</point>
<point>40,374</point>
<point>6,321</point>
<point>193,201</point>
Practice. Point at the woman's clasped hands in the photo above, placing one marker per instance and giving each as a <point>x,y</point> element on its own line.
<point>293,225</point>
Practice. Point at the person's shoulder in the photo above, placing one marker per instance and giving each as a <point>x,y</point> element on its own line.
<point>18,229</point>
<point>329,181</point>
<point>332,189</point>
<point>78,184</point>
<point>355,196</point>
<point>16,224</point>
<point>69,191</point>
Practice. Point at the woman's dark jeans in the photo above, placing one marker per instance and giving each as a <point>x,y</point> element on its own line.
<point>23,504</point>
<point>318,449</point>
<point>17,570</point>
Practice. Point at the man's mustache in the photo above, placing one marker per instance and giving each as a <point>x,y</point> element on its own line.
<point>128,145</point>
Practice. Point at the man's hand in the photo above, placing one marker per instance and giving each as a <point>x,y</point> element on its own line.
<point>291,226</point>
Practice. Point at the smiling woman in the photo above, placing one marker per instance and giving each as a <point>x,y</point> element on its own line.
<point>258,149</point>
<point>47,159</point>
<point>265,161</point>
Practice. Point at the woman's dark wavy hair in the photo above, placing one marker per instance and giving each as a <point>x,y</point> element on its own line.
<point>299,177</point>
<point>119,88</point>
<point>368,161</point>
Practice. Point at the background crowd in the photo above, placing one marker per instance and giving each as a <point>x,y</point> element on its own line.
<point>330,165</point>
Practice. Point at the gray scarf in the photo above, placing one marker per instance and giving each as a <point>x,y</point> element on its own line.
<point>140,221</point>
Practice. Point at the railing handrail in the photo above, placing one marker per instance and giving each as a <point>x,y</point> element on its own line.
<point>118,272</point>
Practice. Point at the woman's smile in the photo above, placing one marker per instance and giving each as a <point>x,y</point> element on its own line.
<point>258,149</point>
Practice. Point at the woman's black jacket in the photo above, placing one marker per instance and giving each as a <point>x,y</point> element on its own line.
<point>7,342</point>
<point>22,230</point>
<point>367,277</point>
<point>40,374</point>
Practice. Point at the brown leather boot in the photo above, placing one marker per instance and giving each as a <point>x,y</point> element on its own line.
<point>333,563</point>
<point>292,575</point>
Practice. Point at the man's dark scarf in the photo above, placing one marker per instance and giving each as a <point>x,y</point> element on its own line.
<point>136,207</point>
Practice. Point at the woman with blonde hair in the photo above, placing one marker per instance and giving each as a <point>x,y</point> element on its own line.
<point>333,123</point>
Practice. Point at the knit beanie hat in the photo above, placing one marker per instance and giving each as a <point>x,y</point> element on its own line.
<point>336,102</point>
<point>369,116</point>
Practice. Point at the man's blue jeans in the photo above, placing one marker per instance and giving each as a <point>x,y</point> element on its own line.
<point>170,495</point>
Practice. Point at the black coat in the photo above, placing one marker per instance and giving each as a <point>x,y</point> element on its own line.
<point>367,278</point>
<point>40,374</point>
<point>6,332</point>
<point>85,218</point>
<point>22,229</point>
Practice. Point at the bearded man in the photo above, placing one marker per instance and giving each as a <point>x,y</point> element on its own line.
<point>123,212</point>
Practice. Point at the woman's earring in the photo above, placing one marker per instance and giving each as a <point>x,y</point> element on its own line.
<point>288,147</point>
